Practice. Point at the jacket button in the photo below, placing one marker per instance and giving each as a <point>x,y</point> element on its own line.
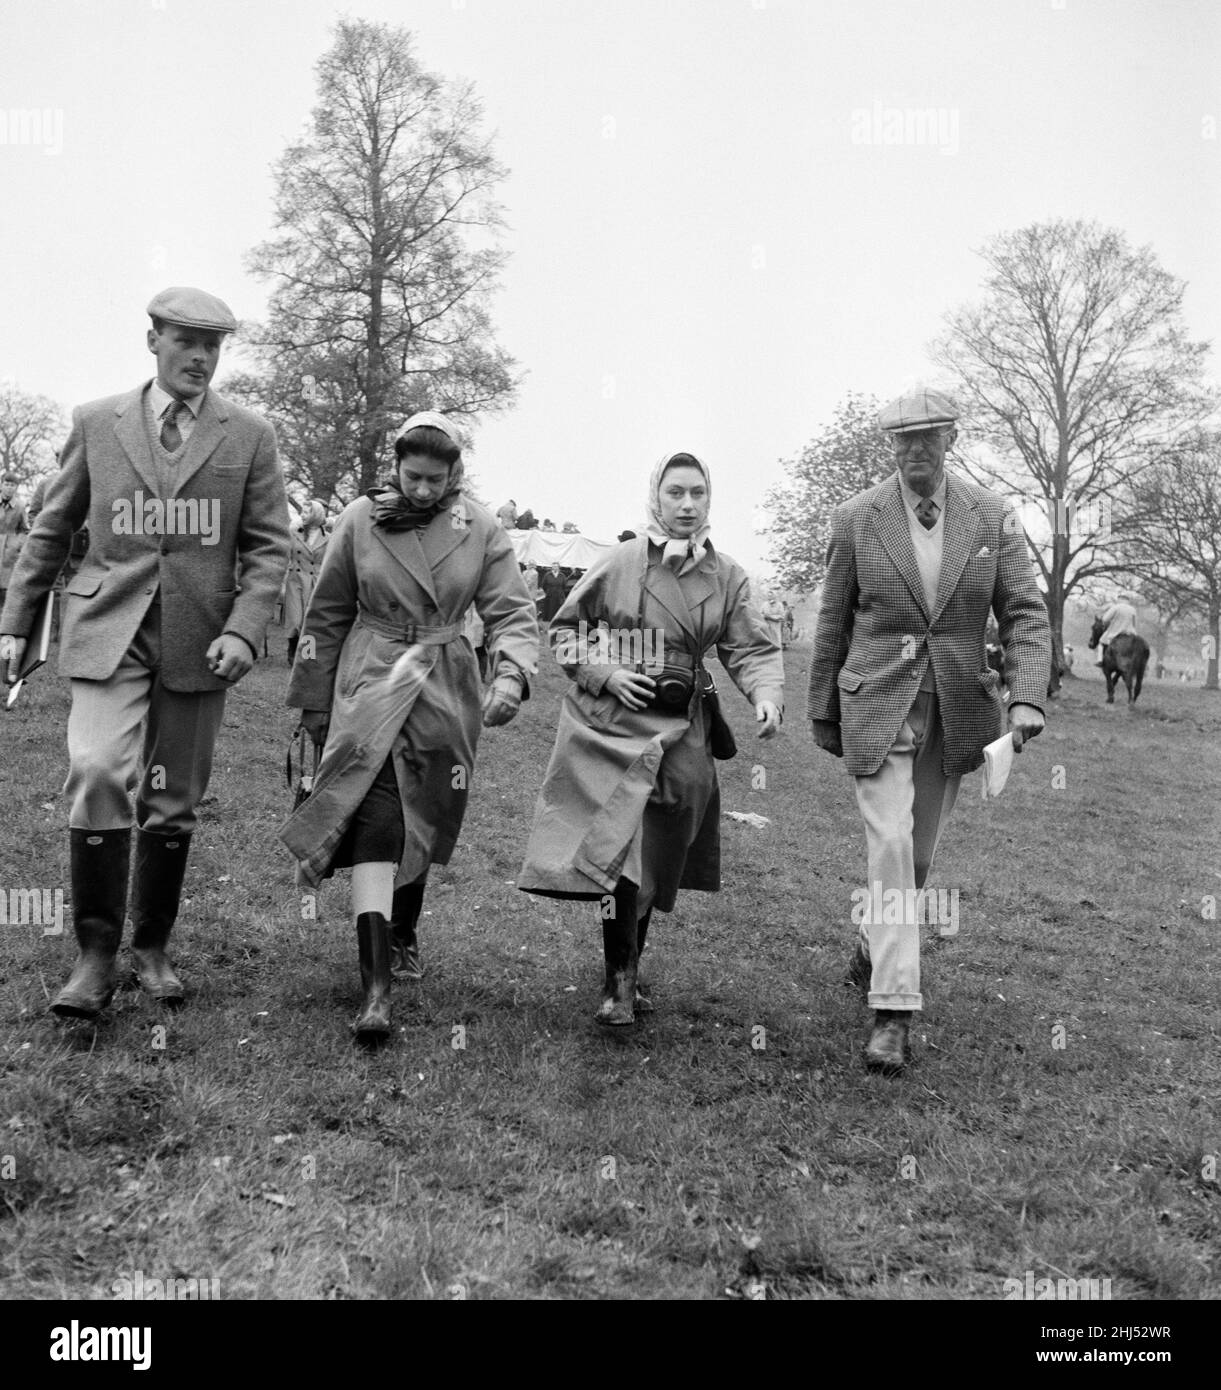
<point>165,549</point>
<point>393,604</point>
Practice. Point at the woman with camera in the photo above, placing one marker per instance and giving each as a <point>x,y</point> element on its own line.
<point>629,811</point>
<point>388,686</point>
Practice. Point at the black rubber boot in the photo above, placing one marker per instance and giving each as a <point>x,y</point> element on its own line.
<point>372,1023</point>
<point>161,861</point>
<point>404,947</point>
<point>644,1004</point>
<point>619,949</point>
<point>100,861</point>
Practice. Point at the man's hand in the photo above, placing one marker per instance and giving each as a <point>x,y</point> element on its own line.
<point>12,649</point>
<point>316,722</point>
<point>767,714</point>
<point>502,701</point>
<point>1025,722</point>
<point>230,657</point>
<point>826,735</point>
<point>631,688</point>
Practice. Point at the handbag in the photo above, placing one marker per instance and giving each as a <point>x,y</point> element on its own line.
<point>307,754</point>
<point>720,736</point>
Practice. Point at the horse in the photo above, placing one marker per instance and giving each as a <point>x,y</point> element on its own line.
<point>1126,657</point>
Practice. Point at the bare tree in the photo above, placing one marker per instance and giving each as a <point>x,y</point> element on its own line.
<point>31,429</point>
<point>385,261</point>
<point>1177,551</point>
<point>849,455</point>
<point>1072,364</point>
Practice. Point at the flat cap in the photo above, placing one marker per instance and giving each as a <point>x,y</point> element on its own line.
<point>193,308</point>
<point>918,410</point>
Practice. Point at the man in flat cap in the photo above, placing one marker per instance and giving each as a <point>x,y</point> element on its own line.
<point>900,686</point>
<point>188,524</point>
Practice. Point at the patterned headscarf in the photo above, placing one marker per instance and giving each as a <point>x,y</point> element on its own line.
<point>392,508</point>
<point>680,553</point>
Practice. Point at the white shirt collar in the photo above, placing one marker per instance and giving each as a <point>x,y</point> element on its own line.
<point>913,499</point>
<point>160,400</point>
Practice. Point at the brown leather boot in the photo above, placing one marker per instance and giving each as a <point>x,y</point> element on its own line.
<point>161,862</point>
<point>100,860</point>
<point>404,947</point>
<point>372,1023</point>
<point>620,952</point>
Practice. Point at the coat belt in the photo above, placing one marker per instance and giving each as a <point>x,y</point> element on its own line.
<point>411,632</point>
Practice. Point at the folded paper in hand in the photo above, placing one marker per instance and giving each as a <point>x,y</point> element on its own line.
<point>998,759</point>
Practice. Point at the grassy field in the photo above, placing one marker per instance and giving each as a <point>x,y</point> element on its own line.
<point>1061,1116</point>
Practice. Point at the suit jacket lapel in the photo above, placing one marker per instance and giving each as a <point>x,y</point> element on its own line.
<point>960,532</point>
<point>208,432</point>
<point>131,433</point>
<point>895,534</point>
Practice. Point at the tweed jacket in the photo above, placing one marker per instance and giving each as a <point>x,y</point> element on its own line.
<point>217,558</point>
<point>875,635</point>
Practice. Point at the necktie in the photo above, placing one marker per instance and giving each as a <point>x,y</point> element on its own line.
<point>926,513</point>
<point>171,435</point>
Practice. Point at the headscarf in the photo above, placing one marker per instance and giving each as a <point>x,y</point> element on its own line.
<point>314,514</point>
<point>392,508</point>
<point>680,553</point>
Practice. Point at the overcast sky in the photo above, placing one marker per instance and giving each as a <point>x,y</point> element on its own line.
<point>707,250</point>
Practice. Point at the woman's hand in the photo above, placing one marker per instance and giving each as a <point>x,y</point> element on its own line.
<point>768,715</point>
<point>632,689</point>
<point>316,722</point>
<point>502,701</point>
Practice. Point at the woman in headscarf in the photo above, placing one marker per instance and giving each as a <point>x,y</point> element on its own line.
<point>304,562</point>
<point>629,810</point>
<point>389,687</point>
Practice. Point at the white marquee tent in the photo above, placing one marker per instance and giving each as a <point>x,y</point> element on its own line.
<point>567,548</point>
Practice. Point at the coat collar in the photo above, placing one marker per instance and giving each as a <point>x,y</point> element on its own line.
<point>680,597</point>
<point>132,434</point>
<point>421,551</point>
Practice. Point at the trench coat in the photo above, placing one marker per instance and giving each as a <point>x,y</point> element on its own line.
<point>393,691</point>
<point>633,793</point>
<point>304,563</point>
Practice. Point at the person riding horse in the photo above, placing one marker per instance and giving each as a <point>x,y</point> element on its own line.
<point>1124,654</point>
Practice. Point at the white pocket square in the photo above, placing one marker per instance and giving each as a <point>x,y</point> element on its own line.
<point>983,551</point>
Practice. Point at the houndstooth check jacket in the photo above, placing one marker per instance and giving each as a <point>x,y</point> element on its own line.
<point>875,636</point>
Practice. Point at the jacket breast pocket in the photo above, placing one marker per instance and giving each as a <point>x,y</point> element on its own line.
<point>85,586</point>
<point>848,681</point>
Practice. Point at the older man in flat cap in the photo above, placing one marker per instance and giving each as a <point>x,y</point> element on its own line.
<point>188,524</point>
<point>900,686</point>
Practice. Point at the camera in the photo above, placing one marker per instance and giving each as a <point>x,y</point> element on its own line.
<point>672,687</point>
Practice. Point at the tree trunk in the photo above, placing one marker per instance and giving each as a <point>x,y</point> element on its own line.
<point>1214,636</point>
